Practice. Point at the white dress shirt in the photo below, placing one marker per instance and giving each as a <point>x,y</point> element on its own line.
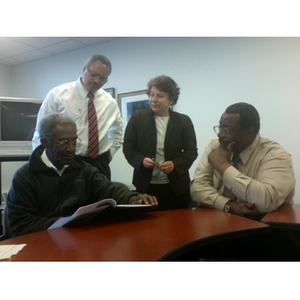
<point>71,98</point>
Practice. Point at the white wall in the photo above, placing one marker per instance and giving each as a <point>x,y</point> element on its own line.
<point>5,80</point>
<point>212,73</point>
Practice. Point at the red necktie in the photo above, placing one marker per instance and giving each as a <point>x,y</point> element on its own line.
<point>93,145</point>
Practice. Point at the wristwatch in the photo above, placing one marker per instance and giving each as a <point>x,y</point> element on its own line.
<point>227,206</point>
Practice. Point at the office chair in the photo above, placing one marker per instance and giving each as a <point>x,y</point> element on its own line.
<point>6,229</point>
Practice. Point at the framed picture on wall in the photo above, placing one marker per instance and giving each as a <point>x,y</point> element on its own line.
<point>111,91</point>
<point>130,102</point>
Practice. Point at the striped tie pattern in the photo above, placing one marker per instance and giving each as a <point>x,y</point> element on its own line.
<point>93,145</point>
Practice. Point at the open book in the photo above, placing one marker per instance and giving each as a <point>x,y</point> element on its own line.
<point>84,213</point>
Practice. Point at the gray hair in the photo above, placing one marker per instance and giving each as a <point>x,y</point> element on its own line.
<point>49,122</point>
<point>98,57</point>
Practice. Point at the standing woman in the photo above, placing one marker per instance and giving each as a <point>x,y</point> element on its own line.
<point>161,146</point>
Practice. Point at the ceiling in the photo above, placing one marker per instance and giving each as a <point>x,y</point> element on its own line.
<point>17,50</point>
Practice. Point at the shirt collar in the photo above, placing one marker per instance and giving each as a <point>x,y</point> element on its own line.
<point>83,91</point>
<point>247,153</point>
<point>49,164</point>
<point>81,87</point>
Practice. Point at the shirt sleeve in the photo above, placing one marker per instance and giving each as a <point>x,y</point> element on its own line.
<point>116,134</point>
<point>273,184</point>
<point>47,107</point>
<point>206,186</point>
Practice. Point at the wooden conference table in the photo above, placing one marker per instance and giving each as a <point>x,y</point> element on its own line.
<point>285,225</point>
<point>184,234</point>
<point>287,216</point>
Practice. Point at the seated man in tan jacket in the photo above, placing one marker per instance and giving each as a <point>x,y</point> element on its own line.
<point>240,171</point>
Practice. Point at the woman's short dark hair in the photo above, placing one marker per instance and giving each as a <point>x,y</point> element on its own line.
<point>50,121</point>
<point>249,116</point>
<point>98,57</point>
<point>165,84</point>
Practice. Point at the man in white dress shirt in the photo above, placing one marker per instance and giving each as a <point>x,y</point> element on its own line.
<point>71,99</point>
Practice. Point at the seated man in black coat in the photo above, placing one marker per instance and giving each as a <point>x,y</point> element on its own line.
<point>55,183</point>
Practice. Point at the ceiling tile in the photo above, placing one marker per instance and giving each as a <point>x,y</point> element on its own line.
<point>10,47</point>
<point>16,50</point>
<point>92,40</point>
<point>40,42</point>
<point>63,47</point>
<point>32,55</point>
<point>9,61</point>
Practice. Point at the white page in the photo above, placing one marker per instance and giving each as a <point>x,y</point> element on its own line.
<point>84,210</point>
<point>7,251</point>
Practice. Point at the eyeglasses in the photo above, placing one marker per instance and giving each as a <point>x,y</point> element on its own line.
<point>65,143</point>
<point>225,130</point>
<point>95,75</point>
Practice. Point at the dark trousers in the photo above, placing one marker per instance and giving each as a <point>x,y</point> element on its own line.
<point>166,197</point>
<point>101,162</point>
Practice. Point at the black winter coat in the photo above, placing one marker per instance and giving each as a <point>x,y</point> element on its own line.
<point>39,195</point>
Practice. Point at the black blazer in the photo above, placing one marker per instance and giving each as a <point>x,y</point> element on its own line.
<point>180,147</point>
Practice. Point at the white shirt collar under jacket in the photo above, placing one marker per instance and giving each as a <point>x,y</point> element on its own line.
<point>49,164</point>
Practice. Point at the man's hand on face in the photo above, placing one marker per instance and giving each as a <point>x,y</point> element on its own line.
<point>219,158</point>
